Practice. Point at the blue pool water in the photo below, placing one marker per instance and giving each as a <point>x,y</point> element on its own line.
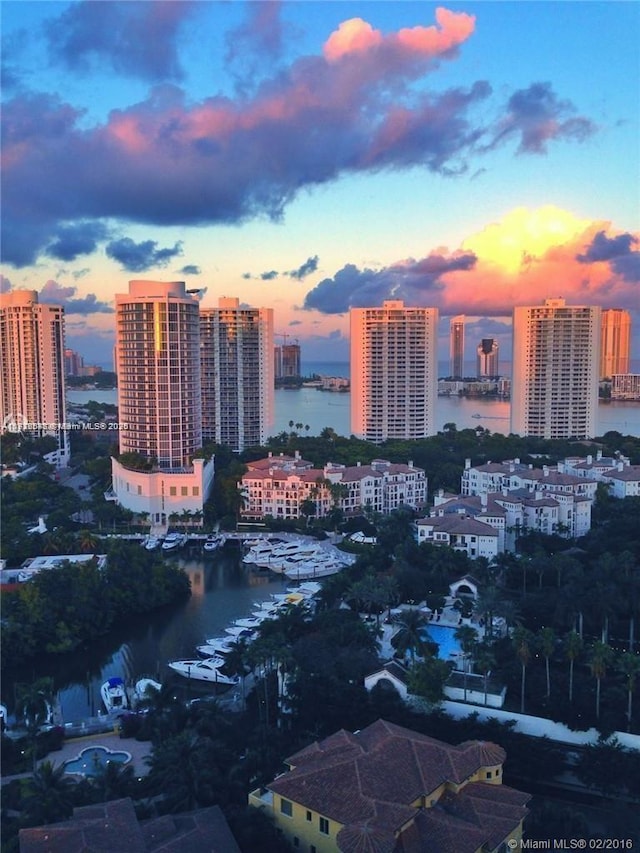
<point>93,759</point>
<point>448,646</point>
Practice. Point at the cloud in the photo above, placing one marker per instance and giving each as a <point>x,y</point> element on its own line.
<point>415,282</point>
<point>138,257</point>
<point>295,323</point>
<point>5,284</point>
<point>256,43</point>
<point>309,266</point>
<point>361,106</point>
<point>527,256</point>
<point>137,39</point>
<point>81,238</point>
<point>80,273</point>
<point>53,293</point>
<point>190,269</point>
<point>268,276</point>
<point>536,115</point>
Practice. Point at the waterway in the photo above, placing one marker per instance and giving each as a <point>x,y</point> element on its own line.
<point>223,589</point>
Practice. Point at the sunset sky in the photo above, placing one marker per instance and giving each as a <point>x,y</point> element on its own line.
<point>314,156</point>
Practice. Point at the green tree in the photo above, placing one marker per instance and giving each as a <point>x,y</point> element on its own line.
<point>468,639</point>
<point>572,649</point>
<point>412,635</point>
<point>600,659</point>
<point>628,665</point>
<point>427,678</point>
<point>484,661</point>
<point>48,795</point>
<point>547,643</point>
<point>522,644</point>
<point>34,703</point>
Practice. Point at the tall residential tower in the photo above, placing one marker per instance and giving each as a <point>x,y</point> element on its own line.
<point>616,342</point>
<point>158,367</point>
<point>487,362</point>
<point>393,371</point>
<point>32,376</point>
<point>456,346</point>
<point>237,366</point>
<point>556,359</point>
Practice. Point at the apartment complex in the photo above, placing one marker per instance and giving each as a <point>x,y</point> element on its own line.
<point>286,360</point>
<point>487,359</point>
<point>456,347</point>
<point>237,366</point>
<point>616,342</point>
<point>279,486</point>
<point>556,361</point>
<point>625,386</point>
<point>32,382</point>
<point>388,788</point>
<point>393,371</point>
<point>158,367</point>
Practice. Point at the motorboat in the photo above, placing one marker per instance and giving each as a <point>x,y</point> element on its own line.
<point>314,570</point>
<point>114,695</point>
<point>203,670</point>
<point>237,631</point>
<point>152,543</point>
<point>212,543</point>
<point>222,645</point>
<point>4,717</point>
<point>252,622</point>
<point>173,541</point>
<point>145,688</point>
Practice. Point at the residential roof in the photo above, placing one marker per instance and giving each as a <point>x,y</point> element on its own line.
<point>458,524</point>
<point>631,473</point>
<point>114,827</point>
<point>369,780</point>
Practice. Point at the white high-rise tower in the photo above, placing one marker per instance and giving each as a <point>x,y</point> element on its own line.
<point>616,342</point>
<point>237,367</point>
<point>456,347</point>
<point>556,359</point>
<point>159,408</point>
<point>393,371</point>
<point>32,377</point>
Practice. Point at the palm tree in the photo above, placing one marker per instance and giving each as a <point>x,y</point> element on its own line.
<point>237,662</point>
<point>468,639</point>
<point>411,635</point>
<point>484,660</point>
<point>629,665</point>
<point>572,650</point>
<point>49,794</point>
<point>601,657</point>
<point>547,643</point>
<point>34,703</point>
<point>522,642</point>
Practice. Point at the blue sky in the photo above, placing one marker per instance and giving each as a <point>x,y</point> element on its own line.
<point>312,156</point>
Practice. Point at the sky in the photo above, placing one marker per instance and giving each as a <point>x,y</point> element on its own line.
<point>314,156</point>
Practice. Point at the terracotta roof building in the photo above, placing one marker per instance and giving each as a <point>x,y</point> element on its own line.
<point>391,790</point>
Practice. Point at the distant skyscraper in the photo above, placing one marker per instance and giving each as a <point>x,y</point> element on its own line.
<point>456,346</point>
<point>556,356</point>
<point>32,359</point>
<point>393,371</point>
<point>487,365</point>
<point>237,359</point>
<point>287,361</point>
<point>159,409</point>
<point>616,342</point>
<point>73,363</point>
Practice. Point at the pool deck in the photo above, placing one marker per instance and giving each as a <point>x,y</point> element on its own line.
<point>138,750</point>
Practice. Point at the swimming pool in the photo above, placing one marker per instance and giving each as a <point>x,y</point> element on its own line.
<point>448,646</point>
<point>93,759</point>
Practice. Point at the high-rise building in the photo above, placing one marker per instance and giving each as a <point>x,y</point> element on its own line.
<point>73,363</point>
<point>32,358</point>
<point>159,409</point>
<point>287,361</point>
<point>616,342</point>
<point>456,346</point>
<point>237,366</point>
<point>393,371</point>
<point>556,358</point>
<point>487,362</point>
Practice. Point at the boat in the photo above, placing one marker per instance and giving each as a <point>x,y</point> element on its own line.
<point>146,687</point>
<point>252,622</point>
<point>314,570</point>
<point>203,670</point>
<point>114,695</point>
<point>212,543</point>
<point>152,543</point>
<point>174,540</point>
<point>236,631</point>
<point>4,717</point>
<point>221,645</point>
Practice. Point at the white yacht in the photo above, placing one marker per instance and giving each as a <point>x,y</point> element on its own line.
<point>114,695</point>
<point>203,670</point>
<point>173,541</point>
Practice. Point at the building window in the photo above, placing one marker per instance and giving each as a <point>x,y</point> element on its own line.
<point>172,491</point>
<point>488,774</point>
<point>309,815</point>
<point>196,491</point>
<point>324,826</point>
<point>184,491</point>
<point>286,807</point>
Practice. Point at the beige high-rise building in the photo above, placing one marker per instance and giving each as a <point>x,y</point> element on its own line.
<point>556,359</point>
<point>616,342</point>
<point>456,346</point>
<point>487,365</point>
<point>393,371</point>
<point>32,394</point>
<point>159,409</point>
<point>237,366</point>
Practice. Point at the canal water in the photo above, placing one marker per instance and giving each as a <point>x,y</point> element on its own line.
<point>223,589</point>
